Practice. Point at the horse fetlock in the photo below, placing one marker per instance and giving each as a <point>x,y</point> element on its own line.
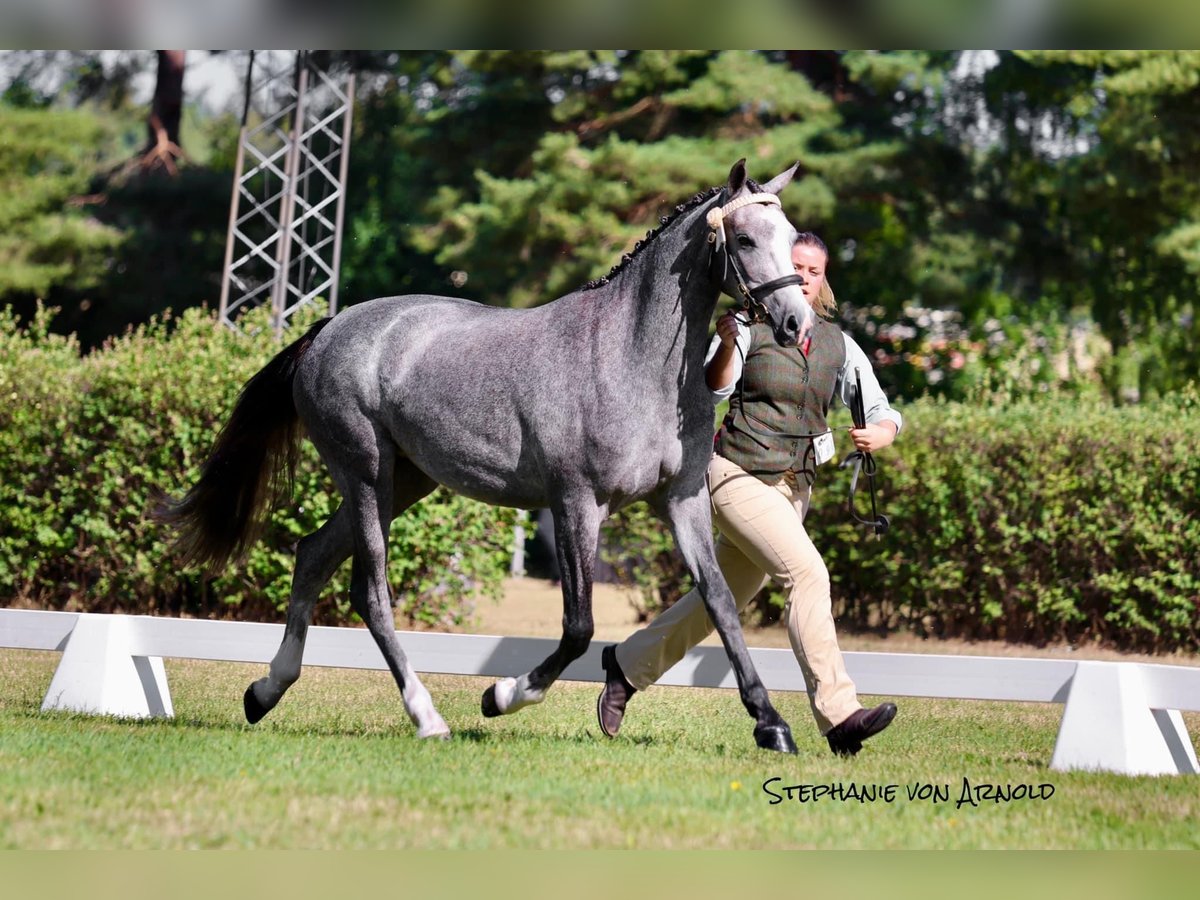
<point>433,727</point>
<point>279,679</point>
<point>437,729</point>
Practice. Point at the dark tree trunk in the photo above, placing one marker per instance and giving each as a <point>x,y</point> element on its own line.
<point>824,71</point>
<point>166,112</point>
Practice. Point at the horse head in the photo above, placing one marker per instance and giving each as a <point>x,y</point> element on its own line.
<point>749,227</point>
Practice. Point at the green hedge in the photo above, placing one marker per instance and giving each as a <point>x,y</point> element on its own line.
<point>1047,520</point>
<point>87,444</point>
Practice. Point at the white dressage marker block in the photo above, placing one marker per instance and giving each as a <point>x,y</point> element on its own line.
<point>1108,726</point>
<point>98,673</point>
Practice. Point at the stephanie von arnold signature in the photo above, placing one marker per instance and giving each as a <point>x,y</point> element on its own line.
<point>968,795</point>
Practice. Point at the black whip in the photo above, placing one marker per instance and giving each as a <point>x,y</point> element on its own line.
<point>863,461</point>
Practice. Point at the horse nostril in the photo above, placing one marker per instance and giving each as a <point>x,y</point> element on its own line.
<point>793,326</point>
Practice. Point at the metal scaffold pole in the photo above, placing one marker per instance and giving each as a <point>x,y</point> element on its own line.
<point>284,243</point>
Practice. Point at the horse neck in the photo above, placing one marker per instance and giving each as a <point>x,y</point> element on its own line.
<point>666,295</point>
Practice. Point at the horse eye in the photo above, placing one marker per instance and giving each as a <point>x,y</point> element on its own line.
<point>744,240</point>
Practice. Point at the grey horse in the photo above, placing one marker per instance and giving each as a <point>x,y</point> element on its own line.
<point>582,405</point>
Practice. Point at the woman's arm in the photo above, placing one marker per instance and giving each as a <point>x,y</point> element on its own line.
<point>723,363</point>
<point>883,422</point>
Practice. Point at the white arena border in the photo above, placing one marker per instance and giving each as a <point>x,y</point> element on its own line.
<point>1119,716</point>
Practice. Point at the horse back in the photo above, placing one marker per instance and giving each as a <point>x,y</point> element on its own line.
<point>499,404</point>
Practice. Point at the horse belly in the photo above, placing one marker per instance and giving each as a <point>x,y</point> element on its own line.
<point>636,469</point>
<point>477,452</point>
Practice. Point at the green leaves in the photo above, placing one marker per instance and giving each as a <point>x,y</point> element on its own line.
<point>742,79</point>
<point>609,143</point>
<point>45,160</point>
<point>1055,512</point>
<point>1132,71</point>
<point>1095,161</point>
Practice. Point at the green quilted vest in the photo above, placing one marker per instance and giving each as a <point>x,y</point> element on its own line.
<point>782,391</point>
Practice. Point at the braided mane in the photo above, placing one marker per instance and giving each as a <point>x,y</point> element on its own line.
<point>682,208</point>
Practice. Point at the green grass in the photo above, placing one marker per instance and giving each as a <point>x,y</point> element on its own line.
<point>336,765</point>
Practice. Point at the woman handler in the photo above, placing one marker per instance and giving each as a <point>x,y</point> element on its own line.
<point>760,478</point>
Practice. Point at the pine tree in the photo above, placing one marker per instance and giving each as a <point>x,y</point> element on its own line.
<point>631,135</point>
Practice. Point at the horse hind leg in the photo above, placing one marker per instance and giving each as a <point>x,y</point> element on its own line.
<point>373,507</point>
<point>576,530</point>
<point>318,556</point>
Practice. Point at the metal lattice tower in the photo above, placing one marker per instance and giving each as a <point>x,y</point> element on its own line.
<point>284,242</point>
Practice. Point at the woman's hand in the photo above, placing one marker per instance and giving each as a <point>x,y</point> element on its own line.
<point>727,329</point>
<point>873,437</point>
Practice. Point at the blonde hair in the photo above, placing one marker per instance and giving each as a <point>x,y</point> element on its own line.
<point>825,304</point>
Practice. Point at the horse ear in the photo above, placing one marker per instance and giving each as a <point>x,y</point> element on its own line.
<point>737,177</point>
<point>782,180</point>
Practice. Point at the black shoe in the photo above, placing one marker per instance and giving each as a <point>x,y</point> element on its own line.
<point>610,705</point>
<point>846,739</point>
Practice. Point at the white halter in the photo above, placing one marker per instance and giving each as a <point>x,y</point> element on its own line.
<point>716,216</point>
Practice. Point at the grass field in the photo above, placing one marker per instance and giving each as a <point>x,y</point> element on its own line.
<point>337,766</point>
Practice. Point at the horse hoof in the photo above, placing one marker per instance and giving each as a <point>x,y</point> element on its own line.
<point>488,705</point>
<point>254,710</point>
<point>775,737</point>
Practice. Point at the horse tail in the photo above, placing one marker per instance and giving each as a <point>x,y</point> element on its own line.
<point>251,467</point>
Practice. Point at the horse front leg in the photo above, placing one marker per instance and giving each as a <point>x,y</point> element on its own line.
<point>576,529</point>
<point>690,518</point>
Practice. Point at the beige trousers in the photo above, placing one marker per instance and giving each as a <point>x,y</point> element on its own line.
<point>761,536</point>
